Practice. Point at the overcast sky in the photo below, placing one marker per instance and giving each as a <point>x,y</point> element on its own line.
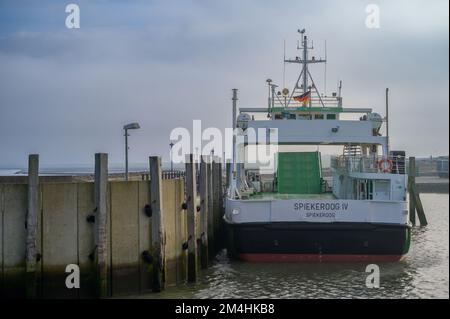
<point>66,93</point>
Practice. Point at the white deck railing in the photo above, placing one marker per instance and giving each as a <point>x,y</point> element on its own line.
<point>368,164</point>
<point>328,101</point>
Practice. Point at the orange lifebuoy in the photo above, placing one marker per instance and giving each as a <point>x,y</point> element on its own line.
<point>385,165</point>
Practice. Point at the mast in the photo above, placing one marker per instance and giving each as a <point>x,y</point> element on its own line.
<point>273,87</point>
<point>325,72</point>
<point>232,168</point>
<point>305,75</point>
<point>305,61</point>
<point>387,122</point>
<point>269,99</point>
<point>284,64</point>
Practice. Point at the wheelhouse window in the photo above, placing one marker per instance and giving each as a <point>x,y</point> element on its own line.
<point>304,116</point>
<point>331,116</point>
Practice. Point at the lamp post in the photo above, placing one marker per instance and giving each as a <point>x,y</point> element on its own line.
<point>171,157</point>
<point>131,126</point>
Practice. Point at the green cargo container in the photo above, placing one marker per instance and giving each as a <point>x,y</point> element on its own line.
<point>299,173</point>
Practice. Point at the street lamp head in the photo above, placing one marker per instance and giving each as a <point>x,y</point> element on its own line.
<point>131,126</point>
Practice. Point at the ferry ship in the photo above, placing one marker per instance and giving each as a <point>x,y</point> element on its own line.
<point>294,213</point>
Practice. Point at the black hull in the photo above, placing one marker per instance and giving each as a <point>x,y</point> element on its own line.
<point>318,241</point>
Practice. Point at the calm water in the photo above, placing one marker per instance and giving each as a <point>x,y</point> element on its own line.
<point>424,273</point>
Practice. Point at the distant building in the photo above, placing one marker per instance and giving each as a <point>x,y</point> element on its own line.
<point>442,166</point>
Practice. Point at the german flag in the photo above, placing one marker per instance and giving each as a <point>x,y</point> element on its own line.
<point>303,98</point>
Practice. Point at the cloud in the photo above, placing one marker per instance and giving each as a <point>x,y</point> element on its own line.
<point>66,93</point>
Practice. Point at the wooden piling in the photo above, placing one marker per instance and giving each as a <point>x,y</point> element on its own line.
<point>158,240</point>
<point>217,199</point>
<point>228,177</point>
<point>419,208</point>
<point>411,182</point>
<point>210,226</point>
<point>415,203</point>
<point>101,234</point>
<point>191,193</point>
<point>32,225</point>
<point>204,213</point>
<point>220,230</point>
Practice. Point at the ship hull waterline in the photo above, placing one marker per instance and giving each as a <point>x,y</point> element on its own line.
<point>318,242</point>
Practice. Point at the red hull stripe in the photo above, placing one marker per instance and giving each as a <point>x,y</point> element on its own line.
<point>318,258</point>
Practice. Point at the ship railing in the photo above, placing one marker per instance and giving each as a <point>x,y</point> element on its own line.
<point>326,101</point>
<point>369,164</point>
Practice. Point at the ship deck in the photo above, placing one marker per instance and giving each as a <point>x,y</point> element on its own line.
<point>271,196</point>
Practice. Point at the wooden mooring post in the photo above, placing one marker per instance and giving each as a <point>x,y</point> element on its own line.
<point>191,196</point>
<point>415,204</point>
<point>32,225</point>
<point>217,201</point>
<point>158,238</point>
<point>228,172</point>
<point>220,225</point>
<point>210,226</point>
<point>101,233</point>
<point>203,184</point>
